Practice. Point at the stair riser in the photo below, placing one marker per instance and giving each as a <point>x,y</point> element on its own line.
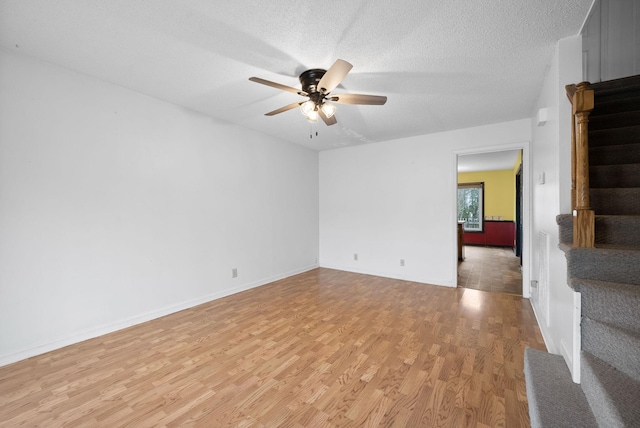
<point>614,94</point>
<point>615,304</point>
<point>615,346</point>
<point>614,137</point>
<point>615,201</point>
<point>622,231</point>
<point>617,238</point>
<point>614,120</point>
<point>621,105</point>
<point>614,175</point>
<point>611,96</point>
<point>614,155</point>
<point>604,265</point>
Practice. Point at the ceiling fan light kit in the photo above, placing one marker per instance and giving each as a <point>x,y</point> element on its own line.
<point>308,108</point>
<point>328,109</point>
<point>312,116</point>
<point>317,84</point>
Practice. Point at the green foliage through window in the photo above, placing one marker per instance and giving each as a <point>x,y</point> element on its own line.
<point>470,205</point>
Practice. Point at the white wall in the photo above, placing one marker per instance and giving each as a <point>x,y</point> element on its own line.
<point>397,200</point>
<point>551,151</point>
<point>116,208</point>
<point>611,40</point>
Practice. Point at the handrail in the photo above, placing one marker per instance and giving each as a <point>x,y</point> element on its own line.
<point>581,97</point>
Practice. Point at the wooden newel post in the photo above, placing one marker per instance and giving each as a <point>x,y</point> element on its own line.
<point>584,217</point>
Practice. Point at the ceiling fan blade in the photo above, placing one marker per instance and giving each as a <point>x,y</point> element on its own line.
<point>277,85</point>
<point>334,76</point>
<point>328,120</point>
<point>377,100</point>
<point>282,109</point>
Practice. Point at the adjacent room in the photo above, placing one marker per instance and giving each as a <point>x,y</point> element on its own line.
<point>239,214</point>
<point>490,221</point>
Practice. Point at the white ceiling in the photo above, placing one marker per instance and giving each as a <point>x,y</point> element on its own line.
<point>443,64</point>
<point>491,161</point>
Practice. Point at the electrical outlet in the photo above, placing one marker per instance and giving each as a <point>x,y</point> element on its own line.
<point>234,273</point>
<point>401,262</point>
<point>316,260</point>
<point>355,256</point>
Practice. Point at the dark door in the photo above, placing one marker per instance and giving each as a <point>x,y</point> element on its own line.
<point>519,214</point>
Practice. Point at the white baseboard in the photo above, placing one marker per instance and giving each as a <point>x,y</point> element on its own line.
<point>382,274</point>
<point>91,333</point>
<point>545,335</point>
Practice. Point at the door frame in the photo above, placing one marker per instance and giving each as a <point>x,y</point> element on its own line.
<point>519,213</point>
<point>526,206</point>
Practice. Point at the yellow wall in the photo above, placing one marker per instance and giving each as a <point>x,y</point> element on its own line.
<point>499,191</point>
<point>516,166</point>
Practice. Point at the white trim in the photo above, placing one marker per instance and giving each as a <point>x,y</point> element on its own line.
<point>586,18</point>
<point>577,337</point>
<point>420,280</point>
<point>574,362</point>
<point>548,343</point>
<point>564,351</point>
<point>41,348</point>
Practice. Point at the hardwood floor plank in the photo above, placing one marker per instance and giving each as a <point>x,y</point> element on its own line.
<point>489,268</point>
<point>324,348</point>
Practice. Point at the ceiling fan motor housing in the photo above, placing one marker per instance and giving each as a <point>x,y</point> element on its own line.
<point>310,78</point>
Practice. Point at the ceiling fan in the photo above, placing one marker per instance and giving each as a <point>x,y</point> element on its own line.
<point>317,85</point>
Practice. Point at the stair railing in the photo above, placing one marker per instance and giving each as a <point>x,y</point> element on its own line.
<point>581,97</point>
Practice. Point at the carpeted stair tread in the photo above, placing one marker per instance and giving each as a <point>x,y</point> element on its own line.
<point>614,120</point>
<point>609,302</point>
<point>615,201</point>
<point>614,136</point>
<point>614,154</point>
<point>616,88</point>
<point>616,346</point>
<point>603,264</point>
<point>613,396</point>
<point>554,400</point>
<point>623,175</point>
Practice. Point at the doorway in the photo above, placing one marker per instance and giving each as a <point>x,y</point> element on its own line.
<point>519,206</point>
<point>493,245</point>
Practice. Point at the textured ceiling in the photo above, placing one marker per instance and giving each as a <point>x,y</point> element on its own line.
<point>442,64</point>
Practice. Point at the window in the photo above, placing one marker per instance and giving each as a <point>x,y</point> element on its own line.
<point>471,206</point>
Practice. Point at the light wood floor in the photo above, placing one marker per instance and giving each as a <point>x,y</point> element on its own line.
<point>324,348</point>
<point>494,269</point>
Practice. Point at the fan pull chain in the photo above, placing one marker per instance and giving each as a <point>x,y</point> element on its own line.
<point>311,131</point>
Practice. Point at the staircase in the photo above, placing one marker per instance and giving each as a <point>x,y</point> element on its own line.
<point>608,278</point>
